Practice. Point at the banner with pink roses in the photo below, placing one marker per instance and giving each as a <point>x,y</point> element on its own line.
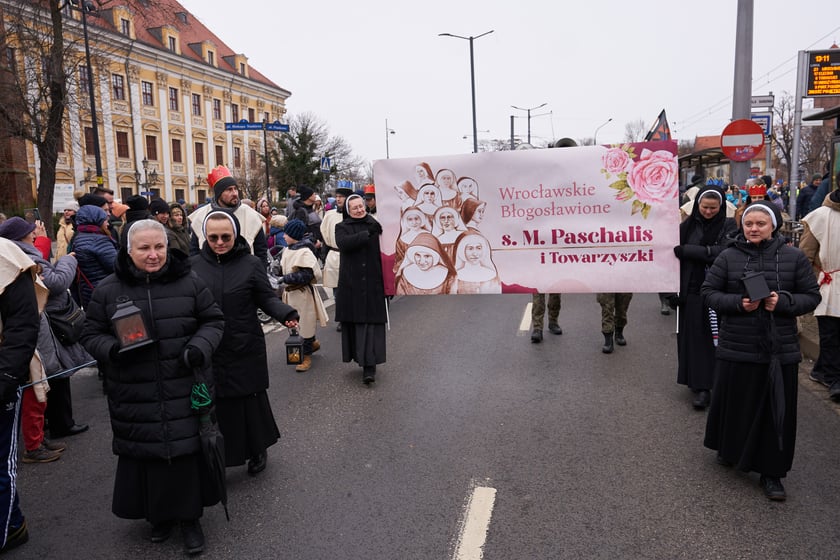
<point>564,220</point>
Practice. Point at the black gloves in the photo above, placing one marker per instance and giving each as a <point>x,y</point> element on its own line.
<point>193,357</point>
<point>678,251</point>
<point>114,353</point>
<point>8,387</point>
<point>375,228</point>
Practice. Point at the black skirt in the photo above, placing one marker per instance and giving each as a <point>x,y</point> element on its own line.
<point>740,425</point>
<point>163,490</point>
<point>248,426</point>
<point>363,342</point>
<point>695,347</point>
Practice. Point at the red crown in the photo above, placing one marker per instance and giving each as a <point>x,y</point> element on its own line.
<point>217,173</point>
<point>370,189</point>
<point>757,190</point>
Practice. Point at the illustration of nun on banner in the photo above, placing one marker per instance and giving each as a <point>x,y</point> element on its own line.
<point>440,249</point>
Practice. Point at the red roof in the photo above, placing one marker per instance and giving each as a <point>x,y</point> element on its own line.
<point>159,13</point>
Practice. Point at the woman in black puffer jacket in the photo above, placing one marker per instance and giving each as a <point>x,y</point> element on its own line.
<point>758,344</point>
<point>161,475</point>
<point>239,284</point>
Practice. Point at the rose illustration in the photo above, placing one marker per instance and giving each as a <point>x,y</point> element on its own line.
<point>644,182</point>
<point>654,177</point>
<point>616,161</point>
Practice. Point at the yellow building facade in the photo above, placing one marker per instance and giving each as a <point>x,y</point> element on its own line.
<point>165,86</point>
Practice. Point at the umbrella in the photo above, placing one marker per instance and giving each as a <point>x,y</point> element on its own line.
<point>777,386</point>
<point>59,374</point>
<point>212,440</point>
<point>213,449</point>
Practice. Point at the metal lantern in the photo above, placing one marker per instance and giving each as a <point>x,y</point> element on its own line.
<point>294,348</point>
<point>130,327</point>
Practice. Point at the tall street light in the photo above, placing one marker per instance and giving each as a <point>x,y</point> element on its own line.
<point>150,178</point>
<point>86,6</point>
<point>472,78</point>
<point>388,131</point>
<point>595,137</point>
<point>529,116</point>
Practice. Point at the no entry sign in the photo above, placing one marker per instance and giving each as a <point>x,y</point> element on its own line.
<point>741,140</point>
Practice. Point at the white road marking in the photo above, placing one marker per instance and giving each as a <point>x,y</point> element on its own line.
<point>525,324</point>
<point>476,523</point>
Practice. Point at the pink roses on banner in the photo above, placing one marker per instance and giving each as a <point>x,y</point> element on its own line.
<point>652,178</point>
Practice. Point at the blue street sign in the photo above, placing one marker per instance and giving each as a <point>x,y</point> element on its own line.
<point>325,164</point>
<point>276,126</point>
<point>243,124</point>
<point>146,193</point>
<point>765,121</point>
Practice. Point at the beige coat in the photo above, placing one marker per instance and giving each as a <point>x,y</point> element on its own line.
<point>308,300</point>
<point>821,244</point>
<point>331,263</point>
<point>62,238</point>
<point>14,262</point>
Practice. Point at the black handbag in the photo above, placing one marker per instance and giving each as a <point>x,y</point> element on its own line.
<point>67,324</point>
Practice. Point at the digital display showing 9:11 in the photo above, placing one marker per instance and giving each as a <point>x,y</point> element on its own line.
<point>823,73</point>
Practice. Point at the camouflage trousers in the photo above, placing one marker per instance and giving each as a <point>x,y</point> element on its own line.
<point>613,311</point>
<point>538,310</point>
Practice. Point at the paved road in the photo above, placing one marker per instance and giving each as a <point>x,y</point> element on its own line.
<point>590,455</point>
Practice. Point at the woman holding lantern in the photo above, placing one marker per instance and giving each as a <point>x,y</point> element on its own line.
<point>161,474</point>
<point>240,285</point>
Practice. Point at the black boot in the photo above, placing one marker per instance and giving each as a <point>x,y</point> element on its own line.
<point>193,537</point>
<point>608,343</point>
<point>536,335</point>
<point>369,375</point>
<point>257,463</point>
<point>619,337</point>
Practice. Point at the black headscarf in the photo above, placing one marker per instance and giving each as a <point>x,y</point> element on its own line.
<point>711,227</point>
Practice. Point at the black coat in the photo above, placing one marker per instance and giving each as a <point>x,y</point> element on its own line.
<point>19,313</point>
<point>149,388</point>
<point>746,336</point>
<point>239,284</point>
<point>361,291</point>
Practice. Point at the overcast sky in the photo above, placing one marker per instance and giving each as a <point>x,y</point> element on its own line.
<point>355,64</point>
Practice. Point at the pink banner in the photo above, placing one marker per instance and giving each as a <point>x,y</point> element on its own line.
<point>567,220</point>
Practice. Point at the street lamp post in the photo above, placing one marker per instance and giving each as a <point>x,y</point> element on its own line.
<point>388,131</point>
<point>529,116</point>
<point>149,178</point>
<point>472,78</point>
<point>267,166</point>
<point>86,6</point>
<point>595,136</point>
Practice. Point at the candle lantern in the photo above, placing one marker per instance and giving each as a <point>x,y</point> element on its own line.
<point>294,348</point>
<point>130,327</point>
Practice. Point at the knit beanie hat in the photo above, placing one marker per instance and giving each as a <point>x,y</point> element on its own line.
<point>305,192</point>
<point>137,202</point>
<point>118,209</point>
<point>220,179</point>
<point>158,206</point>
<point>295,229</point>
<point>16,228</point>
<point>90,199</point>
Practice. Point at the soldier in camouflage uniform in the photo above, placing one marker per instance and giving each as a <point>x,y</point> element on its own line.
<point>538,305</point>
<point>613,318</point>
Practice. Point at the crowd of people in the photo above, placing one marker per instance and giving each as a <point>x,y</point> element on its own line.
<point>196,364</point>
<point>194,369</point>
